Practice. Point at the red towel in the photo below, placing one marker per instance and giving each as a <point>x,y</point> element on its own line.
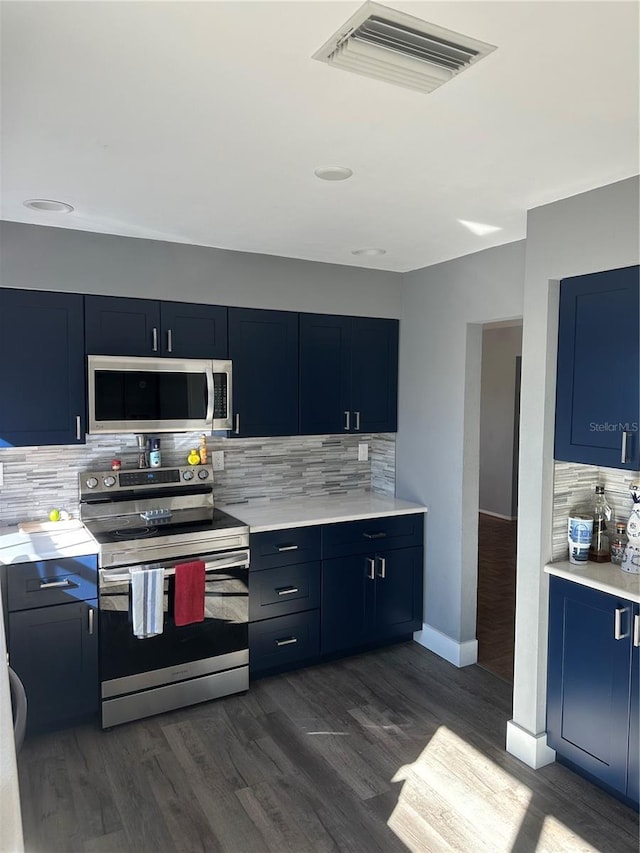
<point>188,602</point>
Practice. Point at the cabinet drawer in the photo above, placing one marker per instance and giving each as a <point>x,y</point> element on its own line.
<point>288,589</point>
<point>49,582</point>
<point>373,534</point>
<point>282,641</point>
<point>284,547</point>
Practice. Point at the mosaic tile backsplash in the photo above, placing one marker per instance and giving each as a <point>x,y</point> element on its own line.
<point>37,479</point>
<point>574,485</point>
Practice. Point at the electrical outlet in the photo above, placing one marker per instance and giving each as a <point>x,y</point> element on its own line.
<point>363,451</point>
<point>217,460</point>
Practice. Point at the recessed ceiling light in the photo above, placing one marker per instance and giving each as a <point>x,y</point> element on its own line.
<point>333,173</point>
<point>479,228</point>
<point>369,251</point>
<point>46,205</point>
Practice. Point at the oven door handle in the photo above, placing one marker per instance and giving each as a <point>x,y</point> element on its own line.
<point>212,563</point>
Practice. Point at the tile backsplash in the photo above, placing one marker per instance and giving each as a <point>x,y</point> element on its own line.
<point>255,469</point>
<point>574,485</point>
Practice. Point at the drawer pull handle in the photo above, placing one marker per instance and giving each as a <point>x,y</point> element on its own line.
<point>636,630</point>
<point>91,620</point>
<point>281,548</point>
<point>357,417</point>
<point>52,584</point>
<point>380,535</point>
<point>371,574</point>
<point>287,590</point>
<point>617,629</point>
<point>154,339</point>
<point>623,450</point>
<point>383,568</point>
<point>288,642</point>
<point>347,420</point>
<point>169,340</point>
<point>236,429</point>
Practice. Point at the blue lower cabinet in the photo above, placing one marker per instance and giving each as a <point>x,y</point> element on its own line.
<point>590,705</point>
<point>284,642</point>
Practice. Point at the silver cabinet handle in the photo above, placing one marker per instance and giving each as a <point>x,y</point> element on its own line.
<point>617,626</point>
<point>287,590</point>
<point>380,535</point>
<point>357,417</point>
<point>347,420</point>
<point>91,620</point>
<point>236,428</point>
<point>288,642</point>
<point>383,568</point>
<point>623,455</point>
<point>636,630</point>
<point>169,340</point>
<point>154,338</point>
<point>280,548</point>
<point>52,584</point>
<point>78,428</point>
<point>371,574</point>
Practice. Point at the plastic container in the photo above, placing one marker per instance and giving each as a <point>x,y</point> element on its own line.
<point>155,458</point>
<point>203,449</point>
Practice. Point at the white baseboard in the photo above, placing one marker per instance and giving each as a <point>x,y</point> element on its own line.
<point>459,654</point>
<point>531,749</point>
<point>498,515</point>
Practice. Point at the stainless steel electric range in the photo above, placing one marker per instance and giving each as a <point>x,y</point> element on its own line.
<point>161,517</point>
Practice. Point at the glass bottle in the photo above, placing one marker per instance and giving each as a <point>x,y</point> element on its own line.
<point>619,543</point>
<point>601,511</point>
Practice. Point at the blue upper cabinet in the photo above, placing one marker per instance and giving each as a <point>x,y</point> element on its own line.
<point>348,374</point>
<point>42,397</point>
<point>598,383</point>
<point>263,346</point>
<point>142,327</point>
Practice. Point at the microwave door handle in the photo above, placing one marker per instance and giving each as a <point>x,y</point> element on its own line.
<point>210,396</point>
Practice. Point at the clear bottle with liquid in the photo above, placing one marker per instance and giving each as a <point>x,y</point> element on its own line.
<point>619,543</point>
<point>599,552</point>
<point>155,459</point>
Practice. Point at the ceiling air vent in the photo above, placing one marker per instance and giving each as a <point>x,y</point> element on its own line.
<point>389,45</point>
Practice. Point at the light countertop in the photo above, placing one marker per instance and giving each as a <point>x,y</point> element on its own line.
<point>607,577</point>
<point>305,512</point>
<point>16,547</point>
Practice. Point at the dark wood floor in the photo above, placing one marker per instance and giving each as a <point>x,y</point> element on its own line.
<point>391,751</point>
<point>495,629</point>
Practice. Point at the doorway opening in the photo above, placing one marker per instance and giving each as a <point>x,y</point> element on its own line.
<point>498,495</point>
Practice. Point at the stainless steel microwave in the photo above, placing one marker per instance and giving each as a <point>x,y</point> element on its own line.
<point>128,394</point>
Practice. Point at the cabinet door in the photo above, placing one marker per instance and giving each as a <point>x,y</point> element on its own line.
<point>347,595</point>
<point>263,346</point>
<point>42,385</point>
<point>54,650</point>
<point>325,374</point>
<point>374,375</point>
<point>398,593</point>
<point>589,680</point>
<point>193,331</point>
<point>633,775</point>
<point>598,387</point>
<point>117,325</point>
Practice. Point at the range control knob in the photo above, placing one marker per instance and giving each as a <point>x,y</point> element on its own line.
<point>109,481</point>
<point>203,473</point>
<point>92,482</point>
<point>188,474</point>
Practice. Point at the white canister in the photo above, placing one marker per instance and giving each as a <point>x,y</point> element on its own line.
<point>580,530</point>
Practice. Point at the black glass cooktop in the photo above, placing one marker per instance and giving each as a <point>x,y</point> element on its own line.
<point>129,528</point>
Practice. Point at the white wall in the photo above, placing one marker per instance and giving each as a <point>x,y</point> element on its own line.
<point>437,450</point>
<point>39,258</point>
<point>500,347</point>
<point>590,232</point>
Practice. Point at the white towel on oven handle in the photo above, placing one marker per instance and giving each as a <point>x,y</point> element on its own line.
<point>147,594</point>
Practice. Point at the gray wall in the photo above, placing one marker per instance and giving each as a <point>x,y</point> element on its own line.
<point>35,257</point>
<point>500,347</point>
<point>437,450</point>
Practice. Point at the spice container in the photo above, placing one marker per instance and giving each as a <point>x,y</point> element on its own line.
<point>601,511</point>
<point>154,454</point>
<point>203,449</point>
<point>619,543</point>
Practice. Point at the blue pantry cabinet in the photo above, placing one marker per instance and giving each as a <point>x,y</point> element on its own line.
<point>598,379</point>
<point>348,374</point>
<point>592,698</point>
<point>146,327</point>
<point>42,386</point>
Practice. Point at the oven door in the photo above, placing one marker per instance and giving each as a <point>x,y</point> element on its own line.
<point>129,664</point>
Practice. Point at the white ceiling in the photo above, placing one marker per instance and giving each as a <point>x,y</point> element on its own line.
<point>203,122</point>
